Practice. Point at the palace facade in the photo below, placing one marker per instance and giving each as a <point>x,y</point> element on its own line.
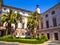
<point>21,27</point>
<point>50,21</point>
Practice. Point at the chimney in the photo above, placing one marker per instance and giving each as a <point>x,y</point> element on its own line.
<point>37,9</point>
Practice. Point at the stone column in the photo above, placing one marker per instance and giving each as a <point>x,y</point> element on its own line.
<point>25,21</point>
<point>51,36</point>
<point>19,25</point>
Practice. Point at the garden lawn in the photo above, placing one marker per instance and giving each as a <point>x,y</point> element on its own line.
<point>22,40</point>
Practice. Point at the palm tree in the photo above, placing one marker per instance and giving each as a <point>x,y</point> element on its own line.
<point>39,21</point>
<point>33,23</point>
<point>10,17</point>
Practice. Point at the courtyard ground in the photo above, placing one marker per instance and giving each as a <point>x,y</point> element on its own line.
<point>16,43</point>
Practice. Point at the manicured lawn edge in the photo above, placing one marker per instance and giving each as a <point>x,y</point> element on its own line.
<point>22,40</point>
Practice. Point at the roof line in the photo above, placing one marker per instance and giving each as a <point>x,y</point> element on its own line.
<point>16,8</point>
<point>51,8</point>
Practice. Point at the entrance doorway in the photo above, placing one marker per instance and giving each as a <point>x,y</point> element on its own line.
<point>48,35</point>
<point>2,33</point>
<point>56,36</point>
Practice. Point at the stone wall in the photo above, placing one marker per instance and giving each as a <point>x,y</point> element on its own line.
<point>51,32</point>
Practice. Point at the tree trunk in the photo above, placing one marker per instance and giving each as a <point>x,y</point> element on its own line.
<point>8,28</point>
<point>34,31</point>
<point>6,31</point>
<point>39,27</point>
<point>31,33</point>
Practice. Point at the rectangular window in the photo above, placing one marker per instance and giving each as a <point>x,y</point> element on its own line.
<point>46,15</point>
<point>47,24</point>
<point>23,26</point>
<point>48,35</point>
<point>41,25</point>
<point>54,22</point>
<point>56,36</point>
<point>53,12</point>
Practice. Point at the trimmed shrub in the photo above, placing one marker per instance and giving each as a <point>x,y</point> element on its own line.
<point>43,38</point>
<point>27,37</point>
<point>5,38</point>
<point>9,38</point>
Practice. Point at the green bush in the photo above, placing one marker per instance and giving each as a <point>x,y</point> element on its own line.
<point>22,38</point>
<point>10,38</point>
<point>43,38</point>
<point>27,37</point>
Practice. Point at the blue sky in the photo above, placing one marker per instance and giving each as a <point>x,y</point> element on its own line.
<point>31,4</point>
